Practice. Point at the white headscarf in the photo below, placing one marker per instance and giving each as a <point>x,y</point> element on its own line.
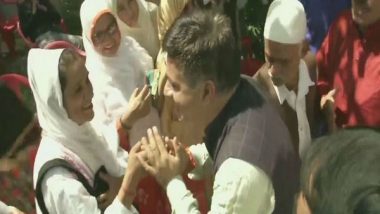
<point>113,78</point>
<point>91,147</point>
<point>146,32</point>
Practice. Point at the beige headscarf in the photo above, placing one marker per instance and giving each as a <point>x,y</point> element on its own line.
<point>88,144</point>
<point>168,12</point>
<point>146,32</point>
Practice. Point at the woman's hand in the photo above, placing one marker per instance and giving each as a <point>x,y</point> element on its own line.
<point>138,106</point>
<point>133,174</point>
<point>328,107</point>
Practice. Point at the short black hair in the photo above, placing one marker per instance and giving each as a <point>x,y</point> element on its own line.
<point>14,118</point>
<point>341,173</point>
<point>203,47</point>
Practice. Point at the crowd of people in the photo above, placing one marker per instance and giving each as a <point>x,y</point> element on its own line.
<point>145,110</point>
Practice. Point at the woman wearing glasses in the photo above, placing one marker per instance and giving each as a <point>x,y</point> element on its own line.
<point>116,65</point>
<point>138,19</point>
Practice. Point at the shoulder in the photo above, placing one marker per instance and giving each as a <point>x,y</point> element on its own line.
<point>233,169</point>
<point>261,77</point>
<point>58,198</point>
<point>55,183</point>
<point>235,182</point>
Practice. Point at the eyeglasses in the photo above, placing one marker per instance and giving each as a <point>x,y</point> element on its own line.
<point>100,36</point>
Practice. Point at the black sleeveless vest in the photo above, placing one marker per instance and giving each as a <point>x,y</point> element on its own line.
<point>250,129</point>
<point>100,186</point>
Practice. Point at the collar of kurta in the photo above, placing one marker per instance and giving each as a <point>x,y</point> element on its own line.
<point>304,82</point>
<point>243,99</point>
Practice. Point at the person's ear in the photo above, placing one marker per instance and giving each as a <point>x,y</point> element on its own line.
<point>209,91</point>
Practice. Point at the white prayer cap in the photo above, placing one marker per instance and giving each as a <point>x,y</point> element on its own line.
<point>285,22</point>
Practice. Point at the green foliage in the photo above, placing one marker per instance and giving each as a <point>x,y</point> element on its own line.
<point>252,19</point>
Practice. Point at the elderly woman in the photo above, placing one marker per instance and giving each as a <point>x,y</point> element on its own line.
<point>73,152</point>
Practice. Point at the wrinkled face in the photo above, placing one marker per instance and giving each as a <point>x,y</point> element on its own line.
<point>128,12</point>
<point>77,94</point>
<point>365,12</point>
<point>283,62</point>
<point>105,35</point>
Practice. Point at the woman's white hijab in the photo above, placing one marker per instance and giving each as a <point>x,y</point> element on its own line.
<point>83,140</point>
<point>146,32</point>
<point>130,62</point>
<point>114,78</point>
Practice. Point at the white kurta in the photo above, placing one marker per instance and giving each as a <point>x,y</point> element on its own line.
<point>239,187</point>
<point>60,199</point>
<point>4,208</point>
<point>298,103</point>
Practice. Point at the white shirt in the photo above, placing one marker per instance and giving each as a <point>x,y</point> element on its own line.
<point>298,103</point>
<point>4,208</point>
<point>64,194</point>
<point>239,187</point>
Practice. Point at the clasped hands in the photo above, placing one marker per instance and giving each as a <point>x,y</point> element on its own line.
<point>159,156</point>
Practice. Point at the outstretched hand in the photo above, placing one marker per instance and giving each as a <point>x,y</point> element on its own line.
<point>139,105</point>
<point>328,107</point>
<point>163,160</point>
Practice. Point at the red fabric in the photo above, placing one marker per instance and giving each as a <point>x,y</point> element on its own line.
<point>63,44</point>
<point>17,188</point>
<point>17,184</point>
<point>15,82</point>
<point>151,198</point>
<point>249,65</point>
<point>6,28</point>
<point>351,63</point>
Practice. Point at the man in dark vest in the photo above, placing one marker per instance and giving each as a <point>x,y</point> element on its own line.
<point>255,166</point>
<point>285,78</point>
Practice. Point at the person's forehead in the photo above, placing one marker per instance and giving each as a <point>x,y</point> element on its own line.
<point>103,22</point>
<point>172,70</point>
<point>273,48</point>
<point>76,70</point>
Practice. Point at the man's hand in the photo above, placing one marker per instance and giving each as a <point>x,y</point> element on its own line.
<point>164,165</point>
<point>328,107</point>
<point>114,183</point>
